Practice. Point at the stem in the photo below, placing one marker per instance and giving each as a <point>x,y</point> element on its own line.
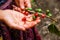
<point>55,20</point>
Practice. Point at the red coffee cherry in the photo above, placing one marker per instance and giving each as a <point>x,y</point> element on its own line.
<point>25,13</point>
<point>24,19</point>
<point>43,15</point>
<point>36,14</point>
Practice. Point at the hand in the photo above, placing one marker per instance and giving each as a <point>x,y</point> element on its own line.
<point>14,20</point>
<point>23,3</point>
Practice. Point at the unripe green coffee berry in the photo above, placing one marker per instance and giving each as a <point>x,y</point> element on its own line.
<point>29,9</point>
<point>47,11</point>
<point>49,14</point>
<point>34,17</point>
<point>39,10</point>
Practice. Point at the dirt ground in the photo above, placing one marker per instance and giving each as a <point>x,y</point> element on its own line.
<point>54,7</point>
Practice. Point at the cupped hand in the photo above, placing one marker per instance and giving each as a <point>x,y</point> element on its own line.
<point>14,20</point>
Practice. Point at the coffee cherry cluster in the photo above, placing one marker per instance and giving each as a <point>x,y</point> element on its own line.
<point>36,13</point>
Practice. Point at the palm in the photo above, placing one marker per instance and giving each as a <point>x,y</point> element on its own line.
<point>29,23</point>
<point>14,20</point>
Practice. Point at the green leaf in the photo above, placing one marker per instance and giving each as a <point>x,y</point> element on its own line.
<point>53,29</point>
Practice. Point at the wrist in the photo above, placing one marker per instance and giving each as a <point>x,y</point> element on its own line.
<point>1,15</point>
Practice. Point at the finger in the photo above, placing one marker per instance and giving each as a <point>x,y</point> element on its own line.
<point>16,8</point>
<point>17,2</point>
<point>28,4</point>
<point>21,4</point>
<point>29,24</point>
<point>37,20</point>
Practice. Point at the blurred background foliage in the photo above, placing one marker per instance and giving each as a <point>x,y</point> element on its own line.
<point>54,7</point>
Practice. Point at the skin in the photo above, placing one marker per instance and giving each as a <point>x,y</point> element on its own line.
<point>13,18</point>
